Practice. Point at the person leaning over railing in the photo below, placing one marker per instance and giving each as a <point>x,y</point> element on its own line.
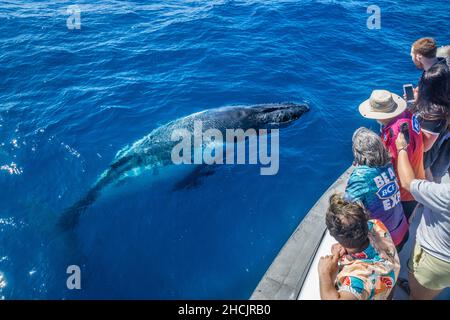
<point>364,264</point>
<point>374,183</point>
<point>389,110</point>
<point>429,264</point>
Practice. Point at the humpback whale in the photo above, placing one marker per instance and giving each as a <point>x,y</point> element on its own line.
<point>154,150</point>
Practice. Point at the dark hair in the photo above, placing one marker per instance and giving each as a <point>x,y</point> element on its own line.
<point>434,92</point>
<point>426,47</point>
<point>347,222</point>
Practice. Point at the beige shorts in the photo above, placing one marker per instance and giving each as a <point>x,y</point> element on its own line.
<point>432,273</point>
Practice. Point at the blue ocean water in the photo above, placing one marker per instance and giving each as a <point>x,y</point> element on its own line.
<point>70,99</point>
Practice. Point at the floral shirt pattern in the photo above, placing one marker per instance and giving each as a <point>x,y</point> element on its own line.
<point>372,273</point>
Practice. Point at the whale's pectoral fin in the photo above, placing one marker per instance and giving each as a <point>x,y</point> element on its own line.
<point>194,179</point>
<point>69,219</point>
<point>120,163</point>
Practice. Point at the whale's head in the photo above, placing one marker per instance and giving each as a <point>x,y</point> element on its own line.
<point>278,115</point>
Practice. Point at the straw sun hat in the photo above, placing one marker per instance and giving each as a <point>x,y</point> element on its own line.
<point>382,105</point>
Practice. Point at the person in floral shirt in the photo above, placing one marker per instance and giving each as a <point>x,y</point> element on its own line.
<point>364,264</point>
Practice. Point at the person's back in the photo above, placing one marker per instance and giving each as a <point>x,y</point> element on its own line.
<point>364,264</point>
<point>390,110</point>
<point>371,274</point>
<point>389,133</point>
<point>378,189</point>
<point>374,183</point>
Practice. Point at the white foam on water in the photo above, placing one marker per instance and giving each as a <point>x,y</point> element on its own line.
<point>3,282</point>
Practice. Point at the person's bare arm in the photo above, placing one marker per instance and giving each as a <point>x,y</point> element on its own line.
<point>328,267</point>
<point>405,171</point>
<point>428,140</point>
<point>329,292</point>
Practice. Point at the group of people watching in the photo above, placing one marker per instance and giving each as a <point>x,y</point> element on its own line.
<point>397,177</point>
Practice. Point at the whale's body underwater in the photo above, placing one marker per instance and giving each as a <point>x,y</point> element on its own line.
<point>154,150</point>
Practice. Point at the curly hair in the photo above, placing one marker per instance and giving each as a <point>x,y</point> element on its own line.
<point>368,149</point>
<point>347,222</point>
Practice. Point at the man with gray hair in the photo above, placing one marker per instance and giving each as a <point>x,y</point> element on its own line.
<point>444,53</point>
<point>373,183</point>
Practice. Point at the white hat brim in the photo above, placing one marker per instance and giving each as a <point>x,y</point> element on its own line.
<point>366,112</point>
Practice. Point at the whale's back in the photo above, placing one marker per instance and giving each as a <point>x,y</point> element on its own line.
<point>154,149</point>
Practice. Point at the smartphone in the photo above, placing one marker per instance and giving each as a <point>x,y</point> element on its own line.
<point>409,92</point>
<point>405,130</point>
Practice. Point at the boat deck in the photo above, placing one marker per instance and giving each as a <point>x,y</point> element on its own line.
<point>310,288</point>
<point>293,274</point>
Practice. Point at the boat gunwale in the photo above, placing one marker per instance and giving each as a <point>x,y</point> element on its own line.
<point>287,273</point>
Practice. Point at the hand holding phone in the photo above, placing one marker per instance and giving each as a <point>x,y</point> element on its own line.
<point>405,130</point>
<point>408,90</point>
<point>400,143</point>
